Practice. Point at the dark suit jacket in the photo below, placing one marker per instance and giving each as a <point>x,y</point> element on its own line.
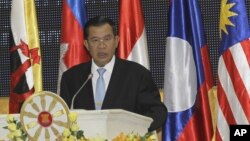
<point>131,88</point>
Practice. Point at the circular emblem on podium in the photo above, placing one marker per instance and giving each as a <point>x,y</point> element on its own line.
<point>44,116</point>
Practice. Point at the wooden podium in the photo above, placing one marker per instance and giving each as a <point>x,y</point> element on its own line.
<point>46,114</point>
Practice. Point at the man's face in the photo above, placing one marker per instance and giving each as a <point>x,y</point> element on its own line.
<point>101,44</point>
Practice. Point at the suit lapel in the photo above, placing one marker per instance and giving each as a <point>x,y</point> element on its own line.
<point>87,99</point>
<point>113,86</point>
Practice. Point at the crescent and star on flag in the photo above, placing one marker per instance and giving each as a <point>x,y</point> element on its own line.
<point>225,15</point>
<point>30,53</point>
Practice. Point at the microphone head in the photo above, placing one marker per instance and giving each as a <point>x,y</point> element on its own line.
<point>90,76</point>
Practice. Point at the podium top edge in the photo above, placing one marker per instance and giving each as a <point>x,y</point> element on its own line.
<point>110,111</point>
<point>98,112</point>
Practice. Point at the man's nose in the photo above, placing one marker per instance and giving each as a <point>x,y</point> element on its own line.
<point>101,43</point>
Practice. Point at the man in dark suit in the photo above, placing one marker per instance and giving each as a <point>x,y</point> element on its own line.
<point>128,85</point>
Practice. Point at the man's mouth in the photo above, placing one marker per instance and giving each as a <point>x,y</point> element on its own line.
<point>101,54</point>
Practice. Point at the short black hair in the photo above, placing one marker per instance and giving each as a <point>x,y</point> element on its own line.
<point>98,21</point>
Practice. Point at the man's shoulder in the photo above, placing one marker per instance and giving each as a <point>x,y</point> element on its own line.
<point>82,67</point>
<point>131,64</point>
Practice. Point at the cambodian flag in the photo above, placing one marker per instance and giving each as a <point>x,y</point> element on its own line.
<point>72,50</point>
<point>188,78</point>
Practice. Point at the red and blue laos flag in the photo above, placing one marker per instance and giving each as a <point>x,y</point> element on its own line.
<point>233,68</point>
<point>72,50</point>
<point>188,78</point>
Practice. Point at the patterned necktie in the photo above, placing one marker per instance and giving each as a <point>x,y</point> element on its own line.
<point>100,89</point>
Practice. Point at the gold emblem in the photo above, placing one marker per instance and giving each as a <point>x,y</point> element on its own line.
<point>44,115</point>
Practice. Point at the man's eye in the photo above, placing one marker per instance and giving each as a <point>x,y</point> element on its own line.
<point>107,38</point>
<point>94,40</point>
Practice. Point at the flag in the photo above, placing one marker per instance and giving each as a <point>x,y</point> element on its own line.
<point>133,40</point>
<point>26,63</point>
<point>233,68</point>
<point>188,78</point>
<point>72,50</point>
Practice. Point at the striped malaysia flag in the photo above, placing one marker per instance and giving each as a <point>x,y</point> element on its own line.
<point>233,68</point>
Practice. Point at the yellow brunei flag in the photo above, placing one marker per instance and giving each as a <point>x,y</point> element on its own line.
<point>26,64</point>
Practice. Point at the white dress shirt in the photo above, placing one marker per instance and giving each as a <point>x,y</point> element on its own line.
<point>107,74</point>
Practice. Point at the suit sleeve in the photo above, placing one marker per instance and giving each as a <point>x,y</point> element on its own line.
<point>150,101</point>
<point>64,91</point>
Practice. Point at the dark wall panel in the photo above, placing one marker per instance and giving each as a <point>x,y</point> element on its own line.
<point>155,13</point>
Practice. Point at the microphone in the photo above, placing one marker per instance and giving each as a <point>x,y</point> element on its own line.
<point>85,82</point>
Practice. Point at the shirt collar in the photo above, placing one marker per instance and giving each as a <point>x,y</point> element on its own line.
<point>109,67</point>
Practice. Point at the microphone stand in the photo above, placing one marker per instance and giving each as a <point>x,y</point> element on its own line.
<point>85,82</point>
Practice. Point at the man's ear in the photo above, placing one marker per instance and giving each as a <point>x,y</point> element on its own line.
<point>86,44</point>
<point>117,40</point>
